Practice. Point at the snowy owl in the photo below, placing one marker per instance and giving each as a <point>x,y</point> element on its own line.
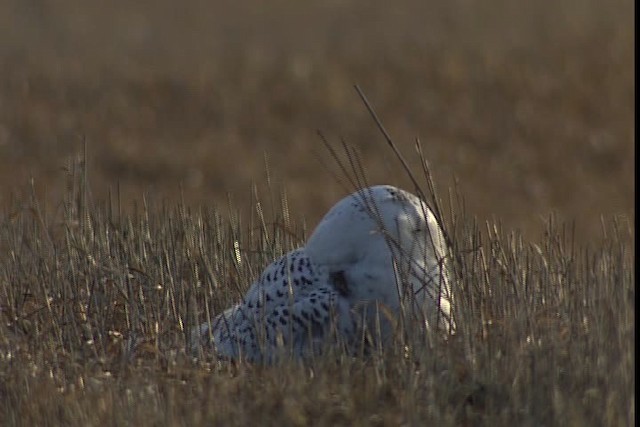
<point>377,255</point>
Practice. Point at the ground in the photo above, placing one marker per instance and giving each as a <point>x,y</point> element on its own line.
<point>189,114</point>
<point>525,109</point>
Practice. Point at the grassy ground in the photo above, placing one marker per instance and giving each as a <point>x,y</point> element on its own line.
<point>527,110</point>
<point>530,106</point>
<point>97,306</point>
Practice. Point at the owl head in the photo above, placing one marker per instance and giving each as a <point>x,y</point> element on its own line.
<point>390,251</point>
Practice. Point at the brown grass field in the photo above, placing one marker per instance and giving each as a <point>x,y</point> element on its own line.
<point>203,163</point>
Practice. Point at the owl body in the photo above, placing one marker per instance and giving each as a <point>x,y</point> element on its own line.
<point>379,254</point>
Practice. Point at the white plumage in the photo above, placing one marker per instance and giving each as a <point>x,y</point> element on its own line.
<point>376,254</point>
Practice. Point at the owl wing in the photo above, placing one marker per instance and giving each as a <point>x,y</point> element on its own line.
<point>292,306</point>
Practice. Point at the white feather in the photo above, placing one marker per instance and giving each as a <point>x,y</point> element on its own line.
<point>379,249</point>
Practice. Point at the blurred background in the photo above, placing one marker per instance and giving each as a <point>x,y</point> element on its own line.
<point>527,108</point>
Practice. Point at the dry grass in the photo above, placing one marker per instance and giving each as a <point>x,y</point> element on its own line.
<point>530,106</point>
<point>97,305</point>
